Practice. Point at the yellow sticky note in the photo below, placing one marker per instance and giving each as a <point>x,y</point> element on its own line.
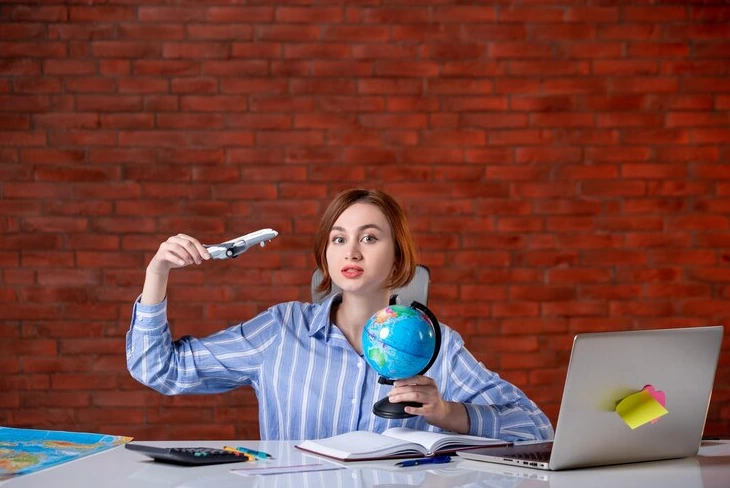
<point>640,408</point>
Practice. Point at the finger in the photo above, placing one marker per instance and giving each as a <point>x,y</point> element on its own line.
<point>174,256</point>
<point>414,395</point>
<point>414,410</point>
<point>187,248</point>
<point>201,249</point>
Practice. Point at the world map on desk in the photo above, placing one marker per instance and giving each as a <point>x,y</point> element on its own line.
<point>25,451</point>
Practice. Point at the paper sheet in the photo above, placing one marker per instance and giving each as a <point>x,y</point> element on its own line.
<point>293,468</point>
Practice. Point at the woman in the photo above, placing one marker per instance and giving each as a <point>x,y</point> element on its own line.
<point>305,360</point>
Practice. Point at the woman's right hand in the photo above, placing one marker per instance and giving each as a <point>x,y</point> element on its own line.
<point>177,251</point>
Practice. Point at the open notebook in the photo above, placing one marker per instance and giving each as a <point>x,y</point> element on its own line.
<point>606,368</point>
<point>396,442</point>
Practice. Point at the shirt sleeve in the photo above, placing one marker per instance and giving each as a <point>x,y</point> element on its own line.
<point>217,363</point>
<point>495,407</point>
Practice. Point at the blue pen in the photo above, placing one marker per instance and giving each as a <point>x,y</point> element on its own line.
<point>431,460</point>
<point>258,454</point>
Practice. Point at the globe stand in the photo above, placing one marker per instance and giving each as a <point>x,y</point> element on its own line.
<point>383,407</point>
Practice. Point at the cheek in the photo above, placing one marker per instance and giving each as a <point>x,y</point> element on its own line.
<point>329,256</point>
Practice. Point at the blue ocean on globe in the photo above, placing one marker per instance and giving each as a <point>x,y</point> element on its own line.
<point>398,342</point>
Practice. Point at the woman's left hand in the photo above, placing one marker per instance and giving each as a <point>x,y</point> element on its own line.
<point>420,389</point>
<point>435,410</point>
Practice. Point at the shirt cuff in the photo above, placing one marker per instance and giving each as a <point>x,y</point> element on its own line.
<point>483,421</point>
<point>149,318</point>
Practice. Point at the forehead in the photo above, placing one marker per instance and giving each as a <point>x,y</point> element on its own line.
<point>362,214</point>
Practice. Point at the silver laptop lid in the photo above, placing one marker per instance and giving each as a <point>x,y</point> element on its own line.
<point>606,367</point>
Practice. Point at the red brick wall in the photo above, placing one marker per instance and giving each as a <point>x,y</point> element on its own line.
<point>564,165</point>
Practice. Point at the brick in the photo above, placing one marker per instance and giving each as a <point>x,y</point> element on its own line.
<point>562,120</point>
<point>658,49</point>
<point>657,136</point>
<point>306,15</point>
<point>548,68</point>
<point>575,85</point>
<point>706,84</point>
<point>583,308</point>
<point>644,240</point>
<point>691,154</point>
<point>710,49</point>
<point>615,257</point>
<point>283,104</point>
<point>590,50</point>
<point>653,171</point>
<point>630,31</point>
<point>525,173</point>
<point>356,33</point>
<point>532,15</point>
<point>709,14</point>
<point>694,119</point>
<point>676,188</point>
<point>710,136</point>
<point>23,30</point>
<point>562,32</point>
<point>713,206</point>
<point>644,84</point>
<point>22,67</point>
<point>694,67</point>
<point>491,120</point>
<point>699,31</point>
<point>515,309</point>
<point>127,121</point>
<point>652,13</point>
<point>114,67</point>
<point>14,122</point>
<point>166,67</point>
<point>33,49</point>
<point>121,224</point>
<point>464,14</point>
<point>599,15</point>
<point>679,102</point>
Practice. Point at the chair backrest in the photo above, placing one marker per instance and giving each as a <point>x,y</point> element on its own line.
<point>416,289</point>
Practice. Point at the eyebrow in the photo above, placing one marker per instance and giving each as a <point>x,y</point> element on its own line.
<point>359,229</point>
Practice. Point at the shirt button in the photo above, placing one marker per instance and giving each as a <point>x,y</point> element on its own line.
<point>354,401</point>
<point>359,365</point>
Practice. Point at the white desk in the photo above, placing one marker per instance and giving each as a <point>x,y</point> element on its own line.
<point>121,468</point>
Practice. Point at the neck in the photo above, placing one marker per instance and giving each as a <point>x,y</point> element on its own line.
<point>353,312</point>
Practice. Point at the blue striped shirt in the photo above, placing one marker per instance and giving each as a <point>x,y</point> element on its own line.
<point>310,382</point>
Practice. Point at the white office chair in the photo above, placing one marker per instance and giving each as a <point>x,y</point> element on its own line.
<point>416,289</point>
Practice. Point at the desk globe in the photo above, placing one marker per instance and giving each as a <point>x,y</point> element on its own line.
<point>399,342</point>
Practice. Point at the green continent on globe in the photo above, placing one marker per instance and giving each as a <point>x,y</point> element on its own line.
<point>375,354</point>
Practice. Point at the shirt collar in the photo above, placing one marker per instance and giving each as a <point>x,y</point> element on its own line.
<point>322,320</point>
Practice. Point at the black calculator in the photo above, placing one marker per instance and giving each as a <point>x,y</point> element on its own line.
<point>188,456</point>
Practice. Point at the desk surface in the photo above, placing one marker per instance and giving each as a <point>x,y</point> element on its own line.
<point>121,468</point>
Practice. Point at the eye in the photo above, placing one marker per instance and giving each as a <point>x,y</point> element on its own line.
<point>337,240</point>
<point>369,239</point>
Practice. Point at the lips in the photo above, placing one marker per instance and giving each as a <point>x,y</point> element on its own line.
<point>352,271</point>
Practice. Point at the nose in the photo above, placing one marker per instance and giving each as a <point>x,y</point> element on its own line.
<point>353,253</point>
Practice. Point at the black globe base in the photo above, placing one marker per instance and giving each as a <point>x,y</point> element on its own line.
<point>383,408</point>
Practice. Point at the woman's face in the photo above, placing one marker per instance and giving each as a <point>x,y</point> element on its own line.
<point>361,252</point>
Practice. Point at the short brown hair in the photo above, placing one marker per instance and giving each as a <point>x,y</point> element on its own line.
<point>405,245</point>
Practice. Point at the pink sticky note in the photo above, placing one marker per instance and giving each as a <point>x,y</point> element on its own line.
<point>658,395</point>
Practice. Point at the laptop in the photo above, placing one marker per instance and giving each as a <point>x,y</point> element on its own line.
<point>606,367</point>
